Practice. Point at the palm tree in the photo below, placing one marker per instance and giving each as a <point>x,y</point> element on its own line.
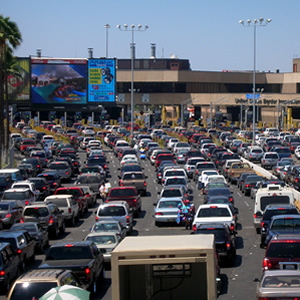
<point>10,38</point>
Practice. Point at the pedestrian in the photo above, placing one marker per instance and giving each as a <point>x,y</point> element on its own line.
<point>102,191</point>
<point>202,180</point>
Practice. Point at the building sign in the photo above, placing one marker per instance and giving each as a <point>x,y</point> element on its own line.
<point>102,80</point>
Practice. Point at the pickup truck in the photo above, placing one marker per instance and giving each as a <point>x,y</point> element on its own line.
<point>215,214</point>
<point>236,169</point>
<point>78,195</point>
<point>128,194</point>
<point>83,258</point>
<point>136,179</point>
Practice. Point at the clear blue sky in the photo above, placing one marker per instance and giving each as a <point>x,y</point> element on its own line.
<point>207,33</point>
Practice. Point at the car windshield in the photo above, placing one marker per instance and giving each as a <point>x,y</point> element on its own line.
<point>9,240</point>
<point>36,212</point>
<point>102,239</point>
<point>212,212</point>
<point>69,252</point>
<point>14,196</point>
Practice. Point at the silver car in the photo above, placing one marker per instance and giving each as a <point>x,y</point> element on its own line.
<point>62,168</point>
<point>269,160</point>
<point>254,153</point>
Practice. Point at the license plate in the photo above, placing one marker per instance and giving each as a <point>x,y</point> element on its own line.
<point>290,267</point>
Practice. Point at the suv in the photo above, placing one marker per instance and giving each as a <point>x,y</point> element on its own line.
<point>117,211</point>
<point>62,168</point>
<point>254,153</point>
<point>67,205</point>
<point>22,244</point>
<point>9,266</point>
<point>283,252</point>
<point>41,185</point>
<point>26,184</point>
<point>224,240</point>
<point>269,160</point>
<point>48,215</point>
<point>136,179</point>
<point>35,283</point>
<point>23,194</point>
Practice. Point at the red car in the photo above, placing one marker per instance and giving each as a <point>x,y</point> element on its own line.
<point>27,143</point>
<point>128,194</point>
<point>78,195</point>
<point>163,156</point>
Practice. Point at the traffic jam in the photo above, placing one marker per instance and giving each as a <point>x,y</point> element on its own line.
<point>66,176</point>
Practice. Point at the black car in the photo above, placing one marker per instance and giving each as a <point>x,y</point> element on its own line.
<point>249,183</point>
<point>9,266</point>
<point>41,185</point>
<point>52,179</point>
<point>35,162</point>
<point>242,178</point>
<point>5,183</point>
<point>215,192</point>
<point>97,161</point>
<point>274,210</point>
<point>224,241</point>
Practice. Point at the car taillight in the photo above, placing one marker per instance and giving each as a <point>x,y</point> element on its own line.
<point>2,273</point>
<point>44,187</point>
<point>264,161</point>
<point>67,173</point>
<point>266,264</point>
<point>262,224</point>
<point>38,166</point>
<point>145,183</point>
<point>54,183</point>
<point>69,210</point>
<point>127,219</point>
<point>105,166</point>
<point>26,202</point>
<point>159,214</point>
<point>8,216</point>
<point>121,183</point>
<point>51,220</point>
<point>230,199</point>
<point>21,220</point>
<point>194,227</point>
<point>19,251</point>
<point>232,227</point>
<point>228,245</point>
<point>247,185</point>
<point>96,218</point>
<point>296,179</point>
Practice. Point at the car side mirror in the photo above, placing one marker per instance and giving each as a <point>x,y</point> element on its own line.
<point>154,204</point>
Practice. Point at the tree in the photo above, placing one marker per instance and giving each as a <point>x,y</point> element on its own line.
<point>10,39</point>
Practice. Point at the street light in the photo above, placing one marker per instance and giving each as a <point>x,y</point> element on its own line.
<point>258,91</point>
<point>132,29</point>
<point>107,26</point>
<point>260,22</point>
<point>211,107</point>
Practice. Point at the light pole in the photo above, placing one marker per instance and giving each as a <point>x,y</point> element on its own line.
<point>107,26</point>
<point>254,24</point>
<point>258,91</point>
<point>132,29</point>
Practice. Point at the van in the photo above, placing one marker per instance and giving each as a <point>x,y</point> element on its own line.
<point>15,174</point>
<point>272,194</point>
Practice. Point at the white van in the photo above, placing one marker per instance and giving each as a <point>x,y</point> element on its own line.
<point>272,194</point>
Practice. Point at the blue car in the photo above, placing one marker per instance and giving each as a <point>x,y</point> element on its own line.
<point>283,152</point>
<point>52,179</point>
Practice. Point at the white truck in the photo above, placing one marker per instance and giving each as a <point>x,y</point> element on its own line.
<point>165,267</point>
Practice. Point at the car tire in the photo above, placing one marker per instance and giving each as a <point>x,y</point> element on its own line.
<point>72,221</point>
<point>56,232</point>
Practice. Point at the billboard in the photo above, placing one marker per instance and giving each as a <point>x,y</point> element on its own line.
<point>58,81</point>
<point>19,86</point>
<point>102,80</point>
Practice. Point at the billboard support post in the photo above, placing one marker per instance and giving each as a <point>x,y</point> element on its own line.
<point>65,119</point>
<point>93,118</point>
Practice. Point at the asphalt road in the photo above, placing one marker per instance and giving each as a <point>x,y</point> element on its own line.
<point>238,281</point>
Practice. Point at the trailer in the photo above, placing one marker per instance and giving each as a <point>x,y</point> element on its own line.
<point>165,267</point>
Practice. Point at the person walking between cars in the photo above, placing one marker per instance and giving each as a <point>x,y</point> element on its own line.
<point>102,191</point>
<point>202,180</point>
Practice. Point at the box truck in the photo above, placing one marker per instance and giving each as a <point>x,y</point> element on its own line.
<point>165,267</point>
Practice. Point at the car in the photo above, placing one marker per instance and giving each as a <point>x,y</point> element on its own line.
<point>283,252</point>
<point>22,244</point>
<point>283,152</point>
<point>200,166</point>
<point>190,165</point>
<point>214,192</point>
<point>35,162</point>
<point>90,195</point>
<point>274,210</point>
<point>52,178</point>
<point>9,266</point>
<point>63,170</point>
<point>278,168</point>
<point>41,185</point>
<point>111,226</point>
<point>136,179</point>
<point>26,184</point>
<point>249,183</point>
<point>35,283</point>
<point>67,205</point>
<point>25,195</point>
<point>282,224</point>
<point>10,212</point>
<point>224,240</point>
<point>48,215</point>
<point>92,180</point>
<point>269,160</point>
<point>166,210</point>
<point>106,242</point>
<point>116,211</point>
<point>279,284</point>
<point>37,232</point>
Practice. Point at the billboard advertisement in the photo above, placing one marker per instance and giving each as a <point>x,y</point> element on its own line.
<point>19,86</point>
<point>102,80</point>
<point>58,81</point>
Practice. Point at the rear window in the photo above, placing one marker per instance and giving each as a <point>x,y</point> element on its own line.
<point>69,252</point>
<point>102,239</point>
<point>165,157</point>
<point>283,250</point>
<point>271,156</point>
<point>73,192</point>
<point>257,151</point>
<point>286,223</point>
<point>171,181</point>
<point>88,179</point>
<point>205,166</point>
<point>122,192</point>
<point>106,227</point>
<point>213,212</point>
<point>58,166</point>
<point>112,211</point>
<point>171,193</point>
<point>174,173</point>
<point>270,213</point>
<point>4,207</point>
<point>219,233</point>
<point>133,176</point>
<point>264,201</point>
<point>284,150</point>
<point>255,179</point>
<point>14,196</point>
<point>59,202</point>
<point>36,212</point>
<point>169,204</point>
<point>9,240</point>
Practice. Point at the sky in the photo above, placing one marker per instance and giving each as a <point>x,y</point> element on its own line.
<point>207,33</point>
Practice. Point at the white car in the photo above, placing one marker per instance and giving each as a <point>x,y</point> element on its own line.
<point>215,178</point>
<point>129,157</point>
<point>297,152</point>
<point>47,139</point>
<point>88,131</point>
<point>208,173</point>
<point>26,184</point>
<point>181,145</point>
<point>297,133</point>
<point>171,143</point>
